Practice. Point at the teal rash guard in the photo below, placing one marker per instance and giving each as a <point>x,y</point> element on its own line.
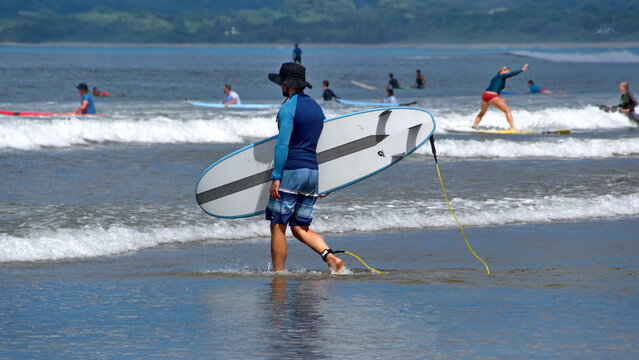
<point>498,83</point>
<point>300,122</point>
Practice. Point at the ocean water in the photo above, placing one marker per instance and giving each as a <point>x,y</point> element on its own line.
<point>104,252</point>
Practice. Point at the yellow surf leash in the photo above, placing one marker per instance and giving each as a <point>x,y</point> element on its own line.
<point>331,251</point>
<point>450,208</point>
<point>362,261</point>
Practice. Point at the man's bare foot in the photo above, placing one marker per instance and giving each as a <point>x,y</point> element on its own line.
<point>335,264</point>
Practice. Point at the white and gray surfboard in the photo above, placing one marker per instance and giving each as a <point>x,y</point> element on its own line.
<point>233,106</point>
<point>351,148</point>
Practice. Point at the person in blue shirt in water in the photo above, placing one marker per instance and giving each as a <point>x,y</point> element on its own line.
<point>328,94</point>
<point>87,104</point>
<point>490,96</point>
<point>535,89</point>
<point>294,186</point>
<point>297,54</point>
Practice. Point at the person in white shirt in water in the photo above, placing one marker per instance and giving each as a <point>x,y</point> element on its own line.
<point>231,97</point>
<point>390,98</point>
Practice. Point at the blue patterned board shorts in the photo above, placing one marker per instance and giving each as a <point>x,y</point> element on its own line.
<point>298,191</point>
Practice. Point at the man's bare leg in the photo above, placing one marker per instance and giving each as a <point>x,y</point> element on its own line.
<point>279,249</point>
<point>317,243</point>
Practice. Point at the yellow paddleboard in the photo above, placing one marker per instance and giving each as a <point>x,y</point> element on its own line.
<point>365,86</point>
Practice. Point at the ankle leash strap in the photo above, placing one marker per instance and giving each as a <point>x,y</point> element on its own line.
<point>329,251</point>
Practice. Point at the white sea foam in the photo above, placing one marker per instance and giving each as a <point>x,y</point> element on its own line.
<point>87,242</point>
<point>90,242</point>
<point>34,134</point>
<point>558,147</point>
<point>30,134</point>
<point>585,118</point>
<point>408,215</point>
<point>612,56</point>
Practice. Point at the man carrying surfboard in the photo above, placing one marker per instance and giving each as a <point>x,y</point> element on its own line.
<point>293,190</point>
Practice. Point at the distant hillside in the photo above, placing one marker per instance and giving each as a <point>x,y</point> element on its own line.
<point>318,21</point>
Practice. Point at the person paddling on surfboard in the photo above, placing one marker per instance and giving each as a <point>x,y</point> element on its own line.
<point>230,97</point>
<point>536,89</point>
<point>294,185</point>
<point>491,95</point>
<point>102,93</point>
<point>87,104</point>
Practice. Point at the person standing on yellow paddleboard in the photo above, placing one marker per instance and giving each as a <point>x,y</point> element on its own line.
<point>491,95</point>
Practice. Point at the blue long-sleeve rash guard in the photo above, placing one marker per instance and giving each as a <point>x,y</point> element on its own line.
<point>498,83</point>
<point>300,122</point>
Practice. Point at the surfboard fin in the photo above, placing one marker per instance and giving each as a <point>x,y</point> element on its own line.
<point>386,112</point>
<point>398,156</point>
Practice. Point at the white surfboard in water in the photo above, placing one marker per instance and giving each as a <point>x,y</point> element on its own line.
<point>377,104</point>
<point>233,106</point>
<point>351,148</point>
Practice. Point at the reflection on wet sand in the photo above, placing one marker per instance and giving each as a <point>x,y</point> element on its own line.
<point>295,322</point>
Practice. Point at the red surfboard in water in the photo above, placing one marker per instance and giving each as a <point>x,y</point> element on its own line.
<point>20,113</point>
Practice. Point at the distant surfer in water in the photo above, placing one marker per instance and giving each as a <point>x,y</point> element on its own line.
<point>392,82</point>
<point>101,93</point>
<point>87,104</point>
<point>390,97</point>
<point>294,178</point>
<point>627,103</point>
<point>328,94</point>
<point>491,95</point>
<point>230,96</point>
<point>297,54</point>
<point>420,80</point>
<point>535,89</point>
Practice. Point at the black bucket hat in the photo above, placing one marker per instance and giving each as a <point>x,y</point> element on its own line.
<point>291,75</point>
